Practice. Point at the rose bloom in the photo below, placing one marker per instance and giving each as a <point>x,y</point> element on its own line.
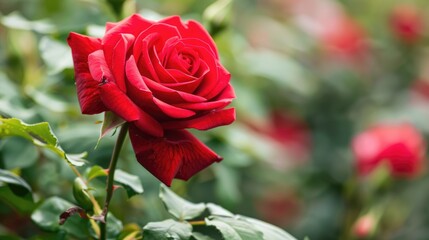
<point>345,38</point>
<point>406,23</point>
<point>160,77</point>
<point>290,133</point>
<point>401,146</point>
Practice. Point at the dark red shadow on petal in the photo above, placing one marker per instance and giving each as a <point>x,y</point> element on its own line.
<point>402,161</point>
<point>176,155</point>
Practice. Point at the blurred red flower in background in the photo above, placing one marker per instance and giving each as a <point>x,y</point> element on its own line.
<point>327,22</point>
<point>278,207</point>
<point>345,37</point>
<point>400,146</point>
<point>406,23</point>
<point>289,134</point>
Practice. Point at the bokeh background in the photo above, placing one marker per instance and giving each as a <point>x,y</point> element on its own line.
<point>310,76</point>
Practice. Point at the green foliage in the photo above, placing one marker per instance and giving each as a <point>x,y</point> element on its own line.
<point>178,207</point>
<point>94,172</point>
<point>167,230</point>
<point>39,134</point>
<point>46,216</point>
<point>16,192</point>
<point>129,182</point>
<point>17,184</point>
<point>231,227</point>
<point>55,54</point>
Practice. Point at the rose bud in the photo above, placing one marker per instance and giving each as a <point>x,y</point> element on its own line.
<point>364,226</point>
<point>400,147</point>
<point>80,193</point>
<point>406,23</point>
<point>161,77</point>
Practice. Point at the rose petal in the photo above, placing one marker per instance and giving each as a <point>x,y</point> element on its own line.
<point>204,122</point>
<point>118,59</point>
<point>141,95</point>
<point>402,161</point>
<point>192,29</point>
<point>222,101</point>
<point>147,43</point>
<point>177,155</point>
<point>134,25</point>
<point>149,125</point>
<point>172,96</point>
<point>116,101</point>
<point>227,92</point>
<point>98,67</point>
<point>119,103</point>
<point>110,25</point>
<point>87,87</point>
<point>209,88</point>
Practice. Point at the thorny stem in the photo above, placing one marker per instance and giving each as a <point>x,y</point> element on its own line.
<point>110,177</point>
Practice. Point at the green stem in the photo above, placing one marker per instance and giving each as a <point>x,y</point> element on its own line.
<point>197,223</point>
<point>110,177</point>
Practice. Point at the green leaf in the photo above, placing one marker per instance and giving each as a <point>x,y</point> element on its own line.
<point>129,182</point>
<point>167,230</point>
<point>114,226</point>
<point>95,171</point>
<point>218,210</point>
<point>40,134</point>
<point>179,207</point>
<point>77,159</point>
<point>235,228</point>
<point>16,21</point>
<point>55,104</point>
<point>200,236</point>
<point>269,231</point>
<point>18,153</point>
<point>227,184</point>
<point>227,231</point>
<point>21,204</point>
<point>110,122</point>
<point>21,187</point>
<point>56,55</point>
<point>46,216</point>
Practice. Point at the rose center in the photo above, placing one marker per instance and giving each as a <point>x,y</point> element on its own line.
<point>187,61</point>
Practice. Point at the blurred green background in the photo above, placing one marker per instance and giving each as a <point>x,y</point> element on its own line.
<point>309,75</point>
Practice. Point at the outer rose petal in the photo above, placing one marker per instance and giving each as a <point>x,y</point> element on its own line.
<point>205,122</point>
<point>177,155</point>
<point>134,25</point>
<point>87,87</point>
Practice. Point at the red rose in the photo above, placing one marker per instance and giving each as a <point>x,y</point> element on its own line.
<point>400,146</point>
<point>407,23</point>
<point>161,77</point>
<point>345,37</point>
